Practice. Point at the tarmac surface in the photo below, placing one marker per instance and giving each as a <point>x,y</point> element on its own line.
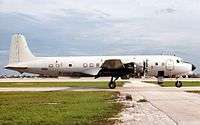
<point>150,103</point>
<point>155,105</point>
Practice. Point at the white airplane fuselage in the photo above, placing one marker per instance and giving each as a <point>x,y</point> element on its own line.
<point>61,66</point>
<point>21,59</point>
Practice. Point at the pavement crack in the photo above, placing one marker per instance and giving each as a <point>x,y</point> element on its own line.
<point>164,113</point>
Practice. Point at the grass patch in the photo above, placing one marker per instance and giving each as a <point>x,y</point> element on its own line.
<point>102,85</point>
<point>172,83</point>
<point>58,108</point>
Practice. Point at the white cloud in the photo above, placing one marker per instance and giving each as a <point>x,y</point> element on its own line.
<point>125,9</point>
<point>157,20</point>
<point>128,25</point>
<point>2,52</point>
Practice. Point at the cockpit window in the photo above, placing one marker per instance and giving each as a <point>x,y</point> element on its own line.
<point>185,62</point>
<point>177,61</point>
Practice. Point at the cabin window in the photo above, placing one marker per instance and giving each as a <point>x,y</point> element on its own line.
<point>177,61</point>
<point>85,65</point>
<point>156,64</point>
<point>91,65</point>
<point>57,66</point>
<point>70,65</point>
<point>50,65</point>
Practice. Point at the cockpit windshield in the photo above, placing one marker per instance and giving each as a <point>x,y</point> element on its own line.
<point>185,62</point>
<point>181,61</point>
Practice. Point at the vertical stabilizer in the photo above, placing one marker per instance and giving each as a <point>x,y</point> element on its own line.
<point>19,51</point>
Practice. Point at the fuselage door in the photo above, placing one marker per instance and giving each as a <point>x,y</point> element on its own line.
<point>170,64</point>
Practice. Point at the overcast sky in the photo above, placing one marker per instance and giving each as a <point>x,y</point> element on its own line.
<point>102,27</point>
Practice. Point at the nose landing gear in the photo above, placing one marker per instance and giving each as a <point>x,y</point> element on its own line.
<point>178,84</point>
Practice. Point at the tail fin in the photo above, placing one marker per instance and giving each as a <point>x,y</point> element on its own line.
<point>19,51</point>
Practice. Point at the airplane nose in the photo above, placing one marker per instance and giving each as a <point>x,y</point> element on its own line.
<point>193,67</point>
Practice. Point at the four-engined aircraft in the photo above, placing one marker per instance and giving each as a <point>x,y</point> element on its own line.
<point>22,60</point>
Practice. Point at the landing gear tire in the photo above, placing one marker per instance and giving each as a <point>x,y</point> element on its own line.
<point>178,84</point>
<point>112,85</point>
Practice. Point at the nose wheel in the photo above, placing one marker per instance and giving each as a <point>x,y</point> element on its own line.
<point>112,84</point>
<point>178,84</point>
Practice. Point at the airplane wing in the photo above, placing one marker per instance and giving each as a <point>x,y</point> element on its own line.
<point>112,64</point>
<point>111,67</point>
<point>115,67</point>
<point>107,65</point>
<point>91,71</point>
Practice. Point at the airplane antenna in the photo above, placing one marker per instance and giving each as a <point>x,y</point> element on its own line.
<point>168,53</point>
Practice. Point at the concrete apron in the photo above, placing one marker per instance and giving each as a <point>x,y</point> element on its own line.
<point>164,106</point>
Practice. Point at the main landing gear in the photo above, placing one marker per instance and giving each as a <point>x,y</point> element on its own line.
<point>112,83</point>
